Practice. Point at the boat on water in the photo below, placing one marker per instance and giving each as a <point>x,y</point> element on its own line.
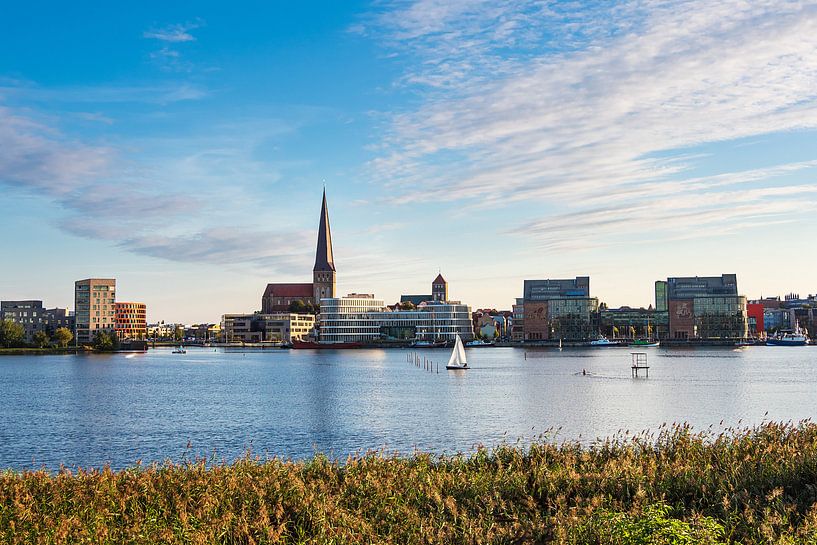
<point>789,338</point>
<point>603,341</point>
<point>298,345</point>
<point>427,344</point>
<point>477,343</point>
<point>645,343</point>
<point>745,342</point>
<point>179,350</point>
<point>457,361</point>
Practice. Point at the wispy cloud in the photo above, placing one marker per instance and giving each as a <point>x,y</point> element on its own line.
<point>174,33</point>
<point>568,104</point>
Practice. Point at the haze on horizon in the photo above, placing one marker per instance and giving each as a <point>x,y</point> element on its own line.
<point>182,149</point>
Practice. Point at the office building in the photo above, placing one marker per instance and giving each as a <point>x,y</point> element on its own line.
<point>364,319</point>
<point>95,308</point>
<point>706,307</point>
<point>258,327</point>
<point>559,309</point>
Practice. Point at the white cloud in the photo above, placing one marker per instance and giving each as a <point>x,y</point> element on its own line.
<point>174,33</point>
<point>509,117</point>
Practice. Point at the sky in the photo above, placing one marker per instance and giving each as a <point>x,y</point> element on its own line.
<point>182,147</point>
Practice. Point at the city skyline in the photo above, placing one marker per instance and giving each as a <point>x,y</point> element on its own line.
<point>182,150</point>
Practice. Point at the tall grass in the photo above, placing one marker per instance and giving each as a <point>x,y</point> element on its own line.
<point>754,485</point>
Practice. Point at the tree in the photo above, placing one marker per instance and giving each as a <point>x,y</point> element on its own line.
<point>105,342</point>
<point>407,305</point>
<point>63,336</point>
<point>41,339</point>
<point>298,307</point>
<point>11,333</point>
<point>178,334</point>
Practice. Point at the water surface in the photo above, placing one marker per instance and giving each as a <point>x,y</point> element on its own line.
<point>88,410</point>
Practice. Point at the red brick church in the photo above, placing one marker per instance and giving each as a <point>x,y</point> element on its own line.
<point>278,297</point>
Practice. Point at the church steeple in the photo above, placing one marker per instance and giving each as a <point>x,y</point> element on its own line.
<point>324,260</point>
<point>324,273</point>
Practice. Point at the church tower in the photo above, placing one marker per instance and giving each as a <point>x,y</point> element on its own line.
<point>324,274</point>
<point>439,289</point>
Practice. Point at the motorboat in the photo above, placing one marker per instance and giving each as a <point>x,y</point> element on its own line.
<point>179,350</point>
<point>796,338</point>
<point>477,343</point>
<point>604,341</point>
<point>457,361</point>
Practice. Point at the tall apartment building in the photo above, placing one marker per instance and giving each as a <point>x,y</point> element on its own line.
<point>131,320</point>
<point>559,309</point>
<point>95,308</point>
<point>705,307</point>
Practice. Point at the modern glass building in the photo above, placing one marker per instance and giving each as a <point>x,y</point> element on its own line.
<point>559,309</point>
<point>95,308</point>
<point>705,307</point>
<point>362,318</point>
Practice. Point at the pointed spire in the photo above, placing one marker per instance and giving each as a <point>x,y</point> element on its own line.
<point>324,260</point>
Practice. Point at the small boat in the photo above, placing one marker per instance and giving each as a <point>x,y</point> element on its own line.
<point>745,342</point>
<point>645,343</point>
<point>603,341</point>
<point>179,350</point>
<point>427,344</point>
<point>477,343</point>
<point>457,360</point>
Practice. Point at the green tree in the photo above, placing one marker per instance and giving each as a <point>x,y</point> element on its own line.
<point>11,333</point>
<point>407,305</point>
<point>105,342</point>
<point>41,339</point>
<point>63,336</point>
<point>298,307</point>
<point>178,335</point>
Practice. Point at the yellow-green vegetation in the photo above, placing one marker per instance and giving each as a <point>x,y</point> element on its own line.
<point>676,487</point>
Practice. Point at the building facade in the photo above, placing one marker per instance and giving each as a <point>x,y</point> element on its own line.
<point>559,309</point>
<point>34,317</point>
<point>705,307</point>
<point>131,320</point>
<point>95,308</point>
<point>258,327</point>
<point>364,319</point>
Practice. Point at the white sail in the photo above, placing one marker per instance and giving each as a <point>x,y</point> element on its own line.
<point>457,358</point>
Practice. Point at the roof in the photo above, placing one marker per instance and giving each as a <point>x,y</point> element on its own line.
<point>439,279</point>
<point>289,290</point>
<point>324,260</point>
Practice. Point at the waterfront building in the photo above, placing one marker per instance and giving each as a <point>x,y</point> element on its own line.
<point>278,297</point>
<point>632,323</point>
<point>131,320</point>
<point>203,332</point>
<point>95,308</point>
<point>559,309</point>
<point>754,316</point>
<point>706,307</point>
<point>259,327</point>
<point>362,318</point>
<point>491,323</point>
<point>34,317</point>
<point>518,325</point>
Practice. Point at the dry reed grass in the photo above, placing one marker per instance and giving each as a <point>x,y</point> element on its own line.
<point>754,485</point>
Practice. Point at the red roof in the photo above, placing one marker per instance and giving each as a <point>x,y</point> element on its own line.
<point>439,279</point>
<point>288,290</point>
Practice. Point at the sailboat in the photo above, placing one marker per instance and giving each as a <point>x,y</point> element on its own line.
<point>457,359</point>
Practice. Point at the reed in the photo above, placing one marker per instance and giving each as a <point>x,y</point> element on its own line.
<point>752,485</point>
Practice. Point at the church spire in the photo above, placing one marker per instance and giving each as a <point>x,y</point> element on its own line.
<point>324,260</point>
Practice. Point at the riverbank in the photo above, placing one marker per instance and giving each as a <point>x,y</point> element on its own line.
<point>749,486</point>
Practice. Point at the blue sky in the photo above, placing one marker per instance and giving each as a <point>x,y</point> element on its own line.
<point>182,148</point>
